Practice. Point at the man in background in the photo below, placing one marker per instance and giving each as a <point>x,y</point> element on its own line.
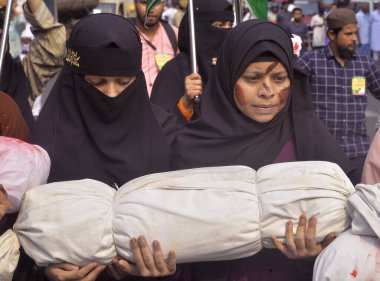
<point>158,38</point>
<point>318,25</point>
<point>298,27</point>
<point>363,24</point>
<point>340,80</point>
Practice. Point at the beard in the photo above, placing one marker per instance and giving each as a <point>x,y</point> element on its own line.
<point>149,23</point>
<point>345,53</point>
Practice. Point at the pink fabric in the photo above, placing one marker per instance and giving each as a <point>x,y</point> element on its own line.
<point>371,170</point>
<point>162,43</point>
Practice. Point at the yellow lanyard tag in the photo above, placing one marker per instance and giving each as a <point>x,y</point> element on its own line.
<point>358,86</point>
<point>162,59</point>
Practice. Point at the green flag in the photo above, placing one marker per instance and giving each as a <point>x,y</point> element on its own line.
<point>259,8</point>
<point>149,6</point>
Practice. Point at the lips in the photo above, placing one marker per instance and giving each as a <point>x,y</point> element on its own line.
<point>264,106</point>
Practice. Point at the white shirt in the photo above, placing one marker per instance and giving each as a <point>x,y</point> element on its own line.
<point>319,32</point>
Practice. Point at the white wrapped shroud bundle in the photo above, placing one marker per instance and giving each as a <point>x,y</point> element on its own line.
<point>204,214</point>
<point>355,255</point>
<point>22,166</point>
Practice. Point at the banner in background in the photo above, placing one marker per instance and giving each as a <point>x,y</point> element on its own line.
<point>259,8</point>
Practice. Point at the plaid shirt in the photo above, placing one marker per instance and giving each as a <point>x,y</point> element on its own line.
<point>333,102</point>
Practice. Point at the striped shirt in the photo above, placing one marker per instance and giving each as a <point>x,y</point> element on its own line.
<point>333,101</point>
<point>47,50</point>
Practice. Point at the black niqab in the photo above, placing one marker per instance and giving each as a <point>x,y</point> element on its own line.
<point>169,84</point>
<point>88,134</point>
<point>225,136</point>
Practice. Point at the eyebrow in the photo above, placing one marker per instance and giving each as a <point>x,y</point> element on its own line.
<point>257,72</point>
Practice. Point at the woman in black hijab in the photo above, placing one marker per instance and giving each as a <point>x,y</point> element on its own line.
<point>98,123</point>
<point>257,110</point>
<point>212,19</point>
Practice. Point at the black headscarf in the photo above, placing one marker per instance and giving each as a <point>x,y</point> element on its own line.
<point>225,136</point>
<point>88,134</point>
<point>169,84</point>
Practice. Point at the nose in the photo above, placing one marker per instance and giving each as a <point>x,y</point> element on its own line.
<point>355,37</point>
<point>111,90</point>
<point>265,91</point>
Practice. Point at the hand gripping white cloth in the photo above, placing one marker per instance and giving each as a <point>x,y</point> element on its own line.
<point>349,257</point>
<point>22,166</point>
<point>287,190</point>
<point>202,214</point>
<point>9,255</point>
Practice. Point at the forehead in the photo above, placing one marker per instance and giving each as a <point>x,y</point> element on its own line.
<point>352,27</point>
<point>263,66</point>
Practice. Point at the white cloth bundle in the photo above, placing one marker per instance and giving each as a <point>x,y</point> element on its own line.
<point>202,214</point>
<point>364,209</point>
<point>287,190</point>
<point>355,255</point>
<point>22,166</point>
<point>67,221</point>
<point>9,255</point>
<point>349,257</point>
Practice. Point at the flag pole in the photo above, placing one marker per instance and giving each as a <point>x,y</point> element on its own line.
<point>193,51</point>
<point>4,36</point>
<point>238,13</point>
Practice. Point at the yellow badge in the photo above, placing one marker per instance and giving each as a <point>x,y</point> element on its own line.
<point>162,59</point>
<point>358,86</point>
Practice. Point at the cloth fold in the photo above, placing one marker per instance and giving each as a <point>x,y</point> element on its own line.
<point>9,255</point>
<point>364,209</point>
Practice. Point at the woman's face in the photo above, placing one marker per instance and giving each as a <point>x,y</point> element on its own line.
<point>109,85</point>
<point>262,90</point>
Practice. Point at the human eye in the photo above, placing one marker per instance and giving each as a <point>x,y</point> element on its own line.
<point>279,78</point>
<point>94,81</point>
<point>125,81</point>
<point>217,24</point>
<point>251,78</point>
